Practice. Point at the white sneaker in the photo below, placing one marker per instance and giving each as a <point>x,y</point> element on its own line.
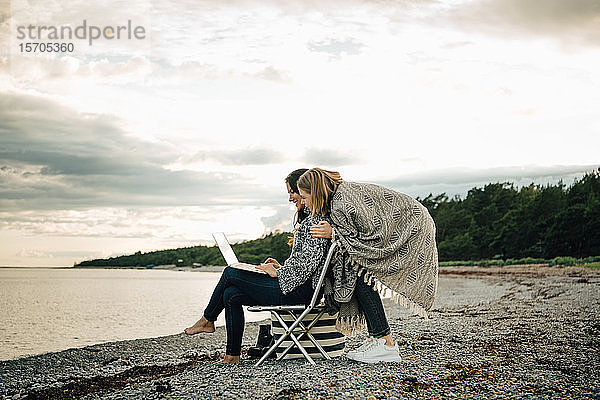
<point>363,347</point>
<point>374,351</point>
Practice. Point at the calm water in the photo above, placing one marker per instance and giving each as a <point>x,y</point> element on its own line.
<point>45,310</point>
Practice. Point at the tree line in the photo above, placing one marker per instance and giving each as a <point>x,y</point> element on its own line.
<point>251,251</point>
<point>497,221</point>
<point>500,221</point>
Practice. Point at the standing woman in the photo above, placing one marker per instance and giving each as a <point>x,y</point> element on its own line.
<point>386,241</point>
<point>293,282</point>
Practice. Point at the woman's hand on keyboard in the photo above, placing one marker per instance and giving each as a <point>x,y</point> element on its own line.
<point>269,268</point>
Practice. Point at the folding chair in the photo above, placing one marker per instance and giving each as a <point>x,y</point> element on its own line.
<point>297,325</point>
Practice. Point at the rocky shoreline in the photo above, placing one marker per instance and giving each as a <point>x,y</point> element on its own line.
<point>517,332</point>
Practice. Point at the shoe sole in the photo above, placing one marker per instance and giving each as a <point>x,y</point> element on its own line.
<point>377,361</point>
<point>350,357</point>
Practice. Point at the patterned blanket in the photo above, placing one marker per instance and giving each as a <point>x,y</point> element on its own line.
<point>386,238</point>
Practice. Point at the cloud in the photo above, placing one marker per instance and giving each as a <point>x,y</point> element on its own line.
<point>573,22</point>
<point>42,254</point>
<point>249,156</point>
<point>121,223</point>
<point>111,69</point>
<point>458,181</point>
<point>136,69</point>
<point>197,71</point>
<point>281,220</point>
<point>52,157</point>
<point>455,45</point>
<point>330,158</point>
<point>336,48</point>
<point>291,7</point>
<point>271,73</point>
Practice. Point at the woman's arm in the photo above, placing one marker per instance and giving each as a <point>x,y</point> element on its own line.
<point>322,230</point>
<point>307,255</point>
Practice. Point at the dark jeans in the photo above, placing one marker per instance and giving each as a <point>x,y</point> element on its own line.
<point>372,307</point>
<point>238,288</point>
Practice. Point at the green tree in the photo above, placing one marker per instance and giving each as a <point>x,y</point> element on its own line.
<point>487,207</point>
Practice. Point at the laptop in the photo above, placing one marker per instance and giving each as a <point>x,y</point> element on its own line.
<point>230,257</point>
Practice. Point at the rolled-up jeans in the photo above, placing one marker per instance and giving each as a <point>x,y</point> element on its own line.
<point>372,307</point>
<point>238,288</point>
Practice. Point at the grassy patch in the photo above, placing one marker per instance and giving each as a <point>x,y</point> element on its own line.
<point>592,265</point>
<point>590,262</point>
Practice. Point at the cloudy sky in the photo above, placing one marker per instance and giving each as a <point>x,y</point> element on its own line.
<point>152,143</point>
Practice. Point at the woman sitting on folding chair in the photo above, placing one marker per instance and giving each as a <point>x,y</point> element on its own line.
<point>290,283</point>
<point>385,242</point>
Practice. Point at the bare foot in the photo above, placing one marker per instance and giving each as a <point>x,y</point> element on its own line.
<point>230,360</point>
<point>203,325</point>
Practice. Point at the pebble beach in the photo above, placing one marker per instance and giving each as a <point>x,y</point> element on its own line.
<point>495,333</point>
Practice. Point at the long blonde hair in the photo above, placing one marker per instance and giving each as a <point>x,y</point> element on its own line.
<point>321,185</point>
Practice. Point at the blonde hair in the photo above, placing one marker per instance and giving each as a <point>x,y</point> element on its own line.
<point>321,185</point>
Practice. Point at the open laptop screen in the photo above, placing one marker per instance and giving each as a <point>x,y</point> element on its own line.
<point>225,247</point>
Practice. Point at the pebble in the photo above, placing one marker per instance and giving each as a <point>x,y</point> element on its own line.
<point>526,339</point>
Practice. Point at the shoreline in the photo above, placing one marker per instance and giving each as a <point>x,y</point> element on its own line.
<point>538,269</point>
<point>488,335</point>
<point>207,268</point>
<point>527,269</point>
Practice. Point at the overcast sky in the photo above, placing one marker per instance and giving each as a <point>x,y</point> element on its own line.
<point>143,144</point>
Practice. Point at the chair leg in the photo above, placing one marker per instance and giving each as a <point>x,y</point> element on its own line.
<point>306,330</point>
<point>284,336</point>
<point>318,346</point>
<point>291,346</point>
<point>272,349</point>
<point>289,331</point>
<point>302,349</point>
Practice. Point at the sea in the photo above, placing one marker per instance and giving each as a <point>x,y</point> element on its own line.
<point>52,309</point>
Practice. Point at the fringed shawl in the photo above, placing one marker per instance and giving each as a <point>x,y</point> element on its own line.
<point>386,238</point>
